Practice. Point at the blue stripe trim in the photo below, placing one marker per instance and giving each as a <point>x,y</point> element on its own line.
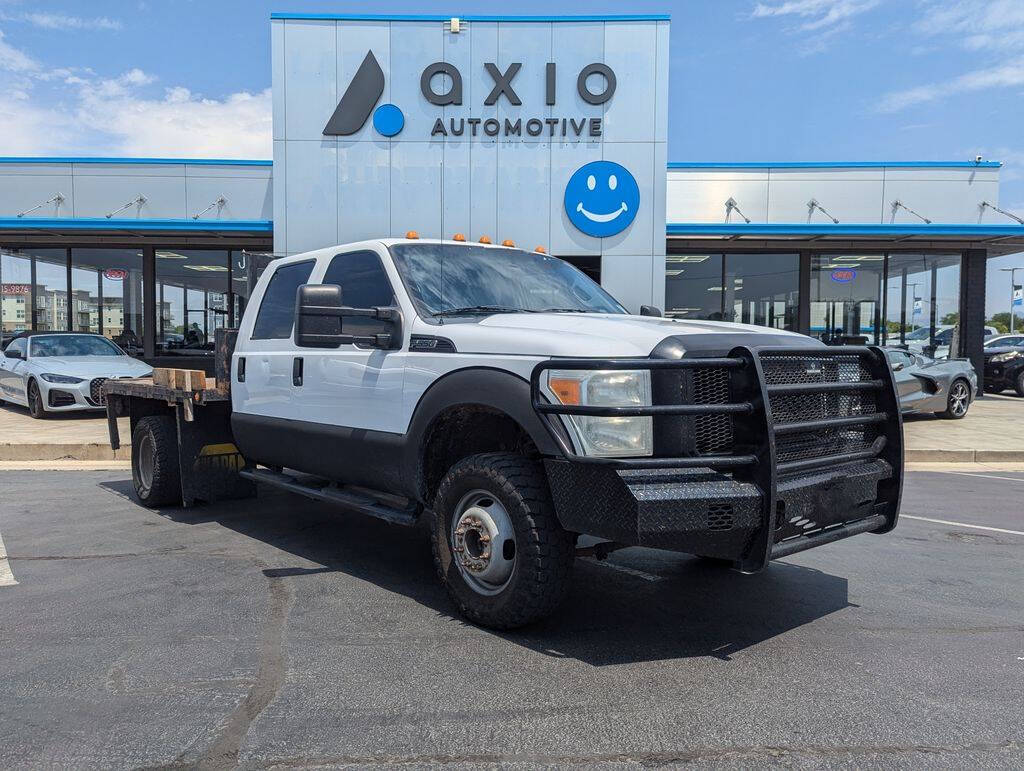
<point>87,223</point>
<point>148,161</point>
<point>841,165</point>
<point>443,17</point>
<point>773,229</point>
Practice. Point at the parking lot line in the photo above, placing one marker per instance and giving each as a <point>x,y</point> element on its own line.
<point>983,476</point>
<point>6,574</point>
<point>962,524</point>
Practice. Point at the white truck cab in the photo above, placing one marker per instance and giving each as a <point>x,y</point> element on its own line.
<point>508,397</point>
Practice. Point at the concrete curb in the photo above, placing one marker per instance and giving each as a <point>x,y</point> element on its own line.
<point>964,456</point>
<point>71,451</point>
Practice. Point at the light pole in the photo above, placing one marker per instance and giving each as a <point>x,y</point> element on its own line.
<point>1013,290</point>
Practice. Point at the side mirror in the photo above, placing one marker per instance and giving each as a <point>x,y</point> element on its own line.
<point>897,366</point>
<point>319,315</point>
<point>649,310</point>
<point>13,355</point>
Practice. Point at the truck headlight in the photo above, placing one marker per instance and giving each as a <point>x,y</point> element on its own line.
<point>999,358</point>
<point>51,378</point>
<point>601,436</point>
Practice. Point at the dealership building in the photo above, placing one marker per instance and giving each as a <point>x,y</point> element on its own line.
<point>549,132</point>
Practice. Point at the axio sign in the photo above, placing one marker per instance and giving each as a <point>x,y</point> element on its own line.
<point>368,84</point>
<point>549,132</point>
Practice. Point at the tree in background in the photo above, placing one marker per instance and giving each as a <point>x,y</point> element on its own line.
<point>1001,321</point>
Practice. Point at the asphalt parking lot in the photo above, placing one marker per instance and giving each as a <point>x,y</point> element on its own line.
<point>280,633</point>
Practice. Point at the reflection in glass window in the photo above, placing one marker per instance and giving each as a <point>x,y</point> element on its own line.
<point>846,298</point>
<point>693,286</point>
<point>192,288</point>
<point>923,302</point>
<point>762,289</point>
<point>15,294</point>
<point>115,300</point>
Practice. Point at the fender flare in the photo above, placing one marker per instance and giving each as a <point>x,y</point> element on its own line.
<point>496,389</point>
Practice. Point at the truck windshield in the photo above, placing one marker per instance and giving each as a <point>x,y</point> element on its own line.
<point>453,280</point>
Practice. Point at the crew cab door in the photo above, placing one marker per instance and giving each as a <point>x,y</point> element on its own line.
<point>356,386</point>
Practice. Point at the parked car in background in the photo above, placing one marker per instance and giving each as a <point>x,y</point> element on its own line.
<point>1005,341</point>
<point>62,371</point>
<point>1004,365</point>
<point>945,387</point>
<point>920,340</point>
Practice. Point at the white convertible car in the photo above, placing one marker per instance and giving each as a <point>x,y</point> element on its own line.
<point>62,371</point>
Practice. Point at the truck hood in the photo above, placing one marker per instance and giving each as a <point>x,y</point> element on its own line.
<point>92,366</point>
<point>580,334</point>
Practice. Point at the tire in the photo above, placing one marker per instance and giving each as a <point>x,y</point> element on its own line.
<point>958,401</point>
<point>506,497</point>
<point>36,408</point>
<point>1018,384</point>
<point>155,473</point>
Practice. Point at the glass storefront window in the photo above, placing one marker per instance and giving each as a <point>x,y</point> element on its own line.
<point>762,289</point>
<point>846,302</point>
<point>15,294</point>
<point>107,286</point>
<point>923,302</point>
<point>192,292</point>
<point>693,286</point>
<point>246,268</point>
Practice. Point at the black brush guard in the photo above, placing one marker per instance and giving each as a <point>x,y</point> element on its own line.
<point>806,448</point>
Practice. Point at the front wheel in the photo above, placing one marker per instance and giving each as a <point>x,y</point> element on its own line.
<point>36,408</point>
<point>958,401</point>
<point>498,547</point>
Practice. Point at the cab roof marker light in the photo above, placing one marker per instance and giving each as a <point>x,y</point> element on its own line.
<point>485,239</point>
<point>412,234</point>
<point>508,242</point>
<point>458,237</point>
<point>541,250</point>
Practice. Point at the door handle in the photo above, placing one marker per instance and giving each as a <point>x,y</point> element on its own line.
<point>241,369</point>
<point>297,371</point>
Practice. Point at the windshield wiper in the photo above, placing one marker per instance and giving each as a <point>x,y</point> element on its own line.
<point>479,309</point>
<point>565,310</point>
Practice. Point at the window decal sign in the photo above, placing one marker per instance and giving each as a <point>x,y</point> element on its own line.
<point>844,275</point>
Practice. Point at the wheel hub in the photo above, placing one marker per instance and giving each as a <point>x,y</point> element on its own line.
<point>483,543</point>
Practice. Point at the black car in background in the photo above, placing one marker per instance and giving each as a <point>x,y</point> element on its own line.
<point>1004,366</point>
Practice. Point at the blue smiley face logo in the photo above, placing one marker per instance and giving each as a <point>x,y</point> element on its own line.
<point>601,198</point>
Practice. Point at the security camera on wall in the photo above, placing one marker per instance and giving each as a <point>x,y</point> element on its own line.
<point>978,159</point>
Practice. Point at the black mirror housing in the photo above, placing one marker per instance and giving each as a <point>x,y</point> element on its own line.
<point>319,314</point>
<point>650,310</point>
<point>13,355</point>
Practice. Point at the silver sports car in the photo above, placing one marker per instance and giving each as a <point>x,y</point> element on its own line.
<point>62,371</point>
<point>945,387</point>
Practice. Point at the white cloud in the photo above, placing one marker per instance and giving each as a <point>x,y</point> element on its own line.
<point>979,24</point>
<point>15,60</point>
<point>1007,74</point>
<point>67,110</point>
<point>61,21</point>
<point>818,14</point>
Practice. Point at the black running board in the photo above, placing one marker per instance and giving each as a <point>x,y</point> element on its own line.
<point>320,490</point>
<point>802,542</point>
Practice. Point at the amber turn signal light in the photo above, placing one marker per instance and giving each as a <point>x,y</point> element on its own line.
<point>508,242</point>
<point>485,239</point>
<point>541,250</point>
<point>567,390</point>
<point>458,237</point>
<point>412,234</point>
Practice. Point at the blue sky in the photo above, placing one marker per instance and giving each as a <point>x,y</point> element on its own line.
<point>768,80</point>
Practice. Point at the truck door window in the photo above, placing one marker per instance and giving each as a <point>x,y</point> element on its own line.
<point>364,284</point>
<point>277,310</point>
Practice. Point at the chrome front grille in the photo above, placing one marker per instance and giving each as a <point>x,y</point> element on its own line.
<point>96,395</point>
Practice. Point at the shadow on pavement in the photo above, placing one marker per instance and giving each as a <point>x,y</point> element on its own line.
<point>687,609</point>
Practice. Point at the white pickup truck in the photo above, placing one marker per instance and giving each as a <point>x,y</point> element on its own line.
<point>512,400</point>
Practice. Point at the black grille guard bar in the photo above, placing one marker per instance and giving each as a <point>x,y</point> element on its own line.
<point>758,463</point>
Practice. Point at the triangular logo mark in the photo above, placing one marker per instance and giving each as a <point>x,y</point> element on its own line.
<point>358,100</point>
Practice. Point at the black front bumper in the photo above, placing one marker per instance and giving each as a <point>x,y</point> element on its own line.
<point>814,454</point>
